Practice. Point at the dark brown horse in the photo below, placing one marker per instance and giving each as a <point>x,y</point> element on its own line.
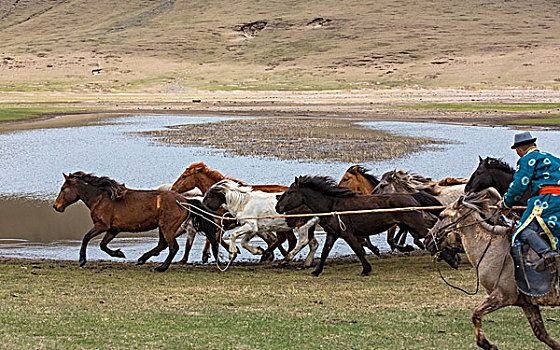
<point>493,172</point>
<point>199,175</point>
<point>358,179</point>
<point>115,208</point>
<point>321,194</point>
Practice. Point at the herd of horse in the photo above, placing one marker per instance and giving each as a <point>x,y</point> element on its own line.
<point>203,200</point>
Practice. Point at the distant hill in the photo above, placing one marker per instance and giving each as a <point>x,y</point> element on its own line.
<point>172,45</point>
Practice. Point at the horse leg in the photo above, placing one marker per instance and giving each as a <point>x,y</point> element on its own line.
<point>108,238</point>
<point>391,238</point>
<point>243,229</point>
<point>367,242</point>
<point>533,315</point>
<point>304,232</point>
<point>206,251</point>
<point>268,254</point>
<point>270,239</point>
<point>252,249</point>
<point>329,241</point>
<point>173,249</point>
<point>354,243</point>
<point>292,240</point>
<point>191,233</point>
<point>489,305</point>
<point>401,237</point>
<point>313,245</point>
<point>162,244</point>
<point>87,237</point>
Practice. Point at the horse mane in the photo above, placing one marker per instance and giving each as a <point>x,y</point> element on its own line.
<point>113,188</point>
<point>234,193</point>
<point>203,168</point>
<point>401,180</point>
<point>477,201</point>
<point>495,163</point>
<point>364,172</point>
<point>326,185</point>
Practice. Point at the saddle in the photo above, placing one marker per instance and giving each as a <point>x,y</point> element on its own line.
<point>528,280</point>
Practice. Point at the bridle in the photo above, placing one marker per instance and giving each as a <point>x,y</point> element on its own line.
<point>456,228</point>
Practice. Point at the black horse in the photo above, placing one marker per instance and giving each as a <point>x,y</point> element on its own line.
<point>492,172</point>
<point>321,194</point>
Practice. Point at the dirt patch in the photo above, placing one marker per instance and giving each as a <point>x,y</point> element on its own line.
<point>294,138</point>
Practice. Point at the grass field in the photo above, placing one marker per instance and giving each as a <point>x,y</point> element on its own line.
<point>403,304</point>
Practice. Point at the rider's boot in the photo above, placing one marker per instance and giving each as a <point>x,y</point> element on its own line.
<point>547,254</point>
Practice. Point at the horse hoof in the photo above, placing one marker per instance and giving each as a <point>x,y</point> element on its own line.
<point>140,262</point>
<point>119,254</point>
<point>182,262</point>
<point>82,262</point>
<point>159,269</point>
<point>315,273</point>
<point>205,259</point>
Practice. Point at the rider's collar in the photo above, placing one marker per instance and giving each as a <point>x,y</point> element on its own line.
<point>532,149</point>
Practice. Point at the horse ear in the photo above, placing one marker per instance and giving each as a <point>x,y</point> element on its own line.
<point>65,176</point>
<point>296,181</point>
<point>479,159</point>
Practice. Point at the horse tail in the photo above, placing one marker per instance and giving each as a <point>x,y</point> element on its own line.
<point>204,222</point>
<point>428,200</point>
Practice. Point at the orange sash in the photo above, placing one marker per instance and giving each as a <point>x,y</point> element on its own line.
<point>550,190</point>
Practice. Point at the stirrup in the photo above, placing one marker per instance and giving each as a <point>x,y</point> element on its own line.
<point>547,262</point>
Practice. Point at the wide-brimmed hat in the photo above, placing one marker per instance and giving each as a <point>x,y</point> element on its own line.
<point>523,138</point>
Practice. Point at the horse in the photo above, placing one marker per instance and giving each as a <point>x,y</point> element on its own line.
<point>198,175</point>
<point>242,201</point>
<point>493,172</point>
<point>115,208</point>
<point>321,194</point>
<point>401,181</point>
<point>358,179</point>
<point>488,249</point>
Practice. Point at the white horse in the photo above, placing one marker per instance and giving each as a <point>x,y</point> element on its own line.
<point>242,201</point>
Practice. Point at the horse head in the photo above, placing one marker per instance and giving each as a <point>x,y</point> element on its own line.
<point>395,181</point>
<point>226,193</point>
<point>188,179</point>
<point>446,233</point>
<point>359,180</point>
<point>68,194</point>
<point>491,172</point>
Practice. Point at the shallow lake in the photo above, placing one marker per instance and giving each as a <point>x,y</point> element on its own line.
<point>32,162</point>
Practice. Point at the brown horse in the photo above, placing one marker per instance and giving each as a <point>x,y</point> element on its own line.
<point>488,249</point>
<point>115,208</point>
<point>199,175</point>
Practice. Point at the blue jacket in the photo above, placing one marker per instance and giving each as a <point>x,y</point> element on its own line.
<point>536,170</point>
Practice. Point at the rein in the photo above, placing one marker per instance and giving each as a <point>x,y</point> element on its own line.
<point>479,261</point>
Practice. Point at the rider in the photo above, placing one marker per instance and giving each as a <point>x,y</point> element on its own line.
<point>539,171</point>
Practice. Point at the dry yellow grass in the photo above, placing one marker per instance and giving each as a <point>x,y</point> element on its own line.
<point>173,45</point>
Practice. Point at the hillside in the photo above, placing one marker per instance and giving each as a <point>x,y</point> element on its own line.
<point>171,45</point>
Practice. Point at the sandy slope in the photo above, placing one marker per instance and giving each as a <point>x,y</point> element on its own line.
<point>170,45</point>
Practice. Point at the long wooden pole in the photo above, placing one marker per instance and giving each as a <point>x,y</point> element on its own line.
<point>352,212</point>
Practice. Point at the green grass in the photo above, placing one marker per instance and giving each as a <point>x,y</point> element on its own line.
<point>27,113</point>
<point>552,119</point>
<point>403,304</point>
